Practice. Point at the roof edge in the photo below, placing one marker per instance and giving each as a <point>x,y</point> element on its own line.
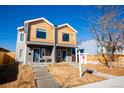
<point>38,19</point>
<point>66,24</point>
<point>21,27</point>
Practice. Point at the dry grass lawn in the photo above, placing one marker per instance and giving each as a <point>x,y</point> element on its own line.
<point>105,69</point>
<point>68,76</point>
<point>16,76</point>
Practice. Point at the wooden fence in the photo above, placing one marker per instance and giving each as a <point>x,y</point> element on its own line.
<point>95,57</point>
<point>7,57</point>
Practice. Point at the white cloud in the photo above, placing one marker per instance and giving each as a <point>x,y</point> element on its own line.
<point>89,46</point>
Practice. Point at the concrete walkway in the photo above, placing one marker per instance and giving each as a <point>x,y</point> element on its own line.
<point>99,74</point>
<point>43,78</point>
<point>117,82</point>
<point>105,75</point>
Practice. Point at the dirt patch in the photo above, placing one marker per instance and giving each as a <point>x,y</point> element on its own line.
<point>68,76</point>
<point>105,69</point>
<point>16,76</point>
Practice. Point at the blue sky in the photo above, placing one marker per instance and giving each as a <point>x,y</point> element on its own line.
<point>13,16</point>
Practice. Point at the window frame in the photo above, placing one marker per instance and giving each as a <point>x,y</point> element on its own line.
<point>63,37</point>
<point>42,31</point>
<point>21,37</point>
<point>20,53</point>
<point>43,50</point>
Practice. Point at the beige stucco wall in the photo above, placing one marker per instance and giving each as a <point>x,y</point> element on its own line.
<point>43,25</point>
<point>72,35</point>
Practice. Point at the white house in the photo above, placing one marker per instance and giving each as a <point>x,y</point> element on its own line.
<point>91,47</point>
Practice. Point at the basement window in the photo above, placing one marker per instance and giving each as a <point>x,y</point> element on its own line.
<point>65,37</point>
<point>41,33</point>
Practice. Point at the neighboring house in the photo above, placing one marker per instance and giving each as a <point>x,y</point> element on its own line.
<point>3,50</point>
<point>103,50</point>
<point>89,46</point>
<point>39,40</point>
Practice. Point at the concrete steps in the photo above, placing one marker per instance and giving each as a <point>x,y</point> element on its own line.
<point>43,78</point>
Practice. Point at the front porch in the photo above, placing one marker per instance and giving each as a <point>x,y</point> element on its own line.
<point>46,54</point>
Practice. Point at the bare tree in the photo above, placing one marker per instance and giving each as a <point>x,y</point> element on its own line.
<point>108,29</point>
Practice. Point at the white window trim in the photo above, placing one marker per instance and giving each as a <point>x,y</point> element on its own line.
<point>20,37</point>
<point>43,49</point>
<point>42,31</point>
<point>20,55</point>
<point>68,38</point>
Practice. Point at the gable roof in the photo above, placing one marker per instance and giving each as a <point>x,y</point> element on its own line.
<point>42,18</point>
<point>38,19</point>
<point>21,27</point>
<point>66,24</point>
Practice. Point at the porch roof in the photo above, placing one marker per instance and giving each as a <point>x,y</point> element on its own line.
<point>66,45</point>
<point>50,44</point>
<point>40,43</point>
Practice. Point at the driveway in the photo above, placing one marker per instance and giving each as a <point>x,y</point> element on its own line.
<point>117,82</point>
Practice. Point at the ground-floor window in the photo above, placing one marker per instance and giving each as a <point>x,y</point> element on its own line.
<point>73,51</point>
<point>43,52</point>
<point>20,52</point>
<point>59,53</point>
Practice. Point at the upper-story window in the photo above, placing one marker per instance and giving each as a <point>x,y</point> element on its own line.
<point>22,37</point>
<point>65,37</point>
<point>41,33</point>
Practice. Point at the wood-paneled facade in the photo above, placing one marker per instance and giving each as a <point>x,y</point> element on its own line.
<point>52,47</point>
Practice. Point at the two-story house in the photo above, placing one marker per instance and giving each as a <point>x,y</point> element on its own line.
<point>40,41</point>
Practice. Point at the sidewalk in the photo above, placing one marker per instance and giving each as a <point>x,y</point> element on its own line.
<point>117,82</point>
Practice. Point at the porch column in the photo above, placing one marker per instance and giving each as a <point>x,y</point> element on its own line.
<point>54,47</point>
<point>54,54</point>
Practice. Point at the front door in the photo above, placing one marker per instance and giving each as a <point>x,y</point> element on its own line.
<point>64,55</point>
<point>36,55</point>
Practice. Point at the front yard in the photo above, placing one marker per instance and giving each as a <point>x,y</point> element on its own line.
<point>105,69</point>
<point>21,76</point>
<point>68,76</point>
<point>16,76</point>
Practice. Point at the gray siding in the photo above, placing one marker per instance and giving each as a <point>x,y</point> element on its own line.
<point>30,51</point>
<point>20,45</point>
<point>68,54</point>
